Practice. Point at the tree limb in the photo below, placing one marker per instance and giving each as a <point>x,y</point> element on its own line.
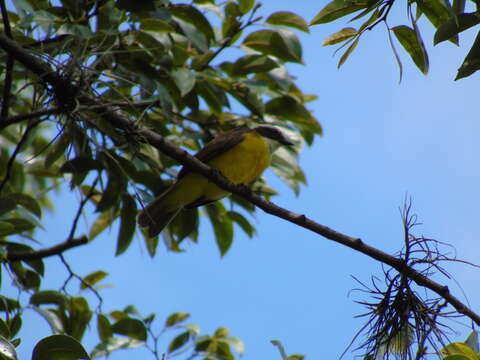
<point>59,84</point>
<point>40,254</point>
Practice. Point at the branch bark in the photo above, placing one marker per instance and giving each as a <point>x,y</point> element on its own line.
<point>50,77</point>
<point>40,254</point>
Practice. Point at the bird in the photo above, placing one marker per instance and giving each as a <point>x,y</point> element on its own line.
<point>241,155</point>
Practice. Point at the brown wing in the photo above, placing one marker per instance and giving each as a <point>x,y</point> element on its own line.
<point>217,146</point>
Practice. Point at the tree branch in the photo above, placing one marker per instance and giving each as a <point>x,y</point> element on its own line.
<point>48,75</point>
<point>40,254</point>
<point>19,118</point>
<point>7,87</point>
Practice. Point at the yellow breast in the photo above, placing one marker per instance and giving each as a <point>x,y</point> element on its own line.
<point>245,162</point>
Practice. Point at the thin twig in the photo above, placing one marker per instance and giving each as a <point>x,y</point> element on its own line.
<point>19,118</point>
<point>43,253</point>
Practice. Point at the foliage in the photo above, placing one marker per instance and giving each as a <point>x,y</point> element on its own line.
<point>449,19</point>
<point>186,71</point>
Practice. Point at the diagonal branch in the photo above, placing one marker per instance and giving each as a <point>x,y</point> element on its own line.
<point>59,84</point>
<point>40,254</point>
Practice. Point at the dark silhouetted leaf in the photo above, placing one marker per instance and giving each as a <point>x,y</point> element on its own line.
<point>132,328</point>
<point>253,64</point>
<point>179,341</point>
<point>128,215</point>
<point>103,327</point>
<point>455,26</point>
<point>59,347</point>
<point>48,297</point>
<point>471,63</point>
<point>222,226</point>
<point>80,164</point>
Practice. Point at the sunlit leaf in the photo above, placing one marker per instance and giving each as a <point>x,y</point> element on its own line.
<point>340,36</point>
<point>287,18</point>
<point>93,278</point>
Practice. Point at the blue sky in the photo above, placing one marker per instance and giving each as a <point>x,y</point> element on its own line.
<point>382,140</point>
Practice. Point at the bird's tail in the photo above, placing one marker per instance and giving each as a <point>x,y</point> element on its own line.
<point>158,214</point>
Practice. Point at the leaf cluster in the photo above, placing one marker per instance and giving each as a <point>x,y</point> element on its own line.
<point>449,18</point>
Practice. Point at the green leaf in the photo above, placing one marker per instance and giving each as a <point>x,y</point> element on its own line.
<point>28,202</point>
<point>286,107</point>
<point>103,221</point>
<point>337,9</point>
<point>222,226</point>
<point>179,341</point>
<point>245,5</point>
<point>93,278</point>
<point>6,205</point>
<point>111,195</point>
<point>132,328</point>
<point>453,27</point>
<point>80,315</point>
<point>80,164</point>
<point>347,53</point>
<point>48,297</point>
<point>287,18</point>
<point>128,215</point>
<point>112,344</point>
<point>246,226</point>
<point>184,79</point>
<point>136,6</point>
<point>185,223</point>
<point>435,10</point>
<point>4,332</point>
<point>193,16</point>
<point>340,36</point>
<point>6,228</point>
<point>253,64</point>
<point>103,327</point>
<point>19,225</point>
<point>8,305</point>
<point>52,318</point>
<point>156,25</point>
<point>175,318</point>
<point>59,347</point>
<point>413,45</point>
<point>7,350</point>
<point>283,44</point>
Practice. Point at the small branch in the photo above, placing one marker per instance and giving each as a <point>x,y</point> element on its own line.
<point>72,274</point>
<point>19,118</point>
<point>40,254</point>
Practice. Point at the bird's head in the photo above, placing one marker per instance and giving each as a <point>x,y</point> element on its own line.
<point>273,133</point>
